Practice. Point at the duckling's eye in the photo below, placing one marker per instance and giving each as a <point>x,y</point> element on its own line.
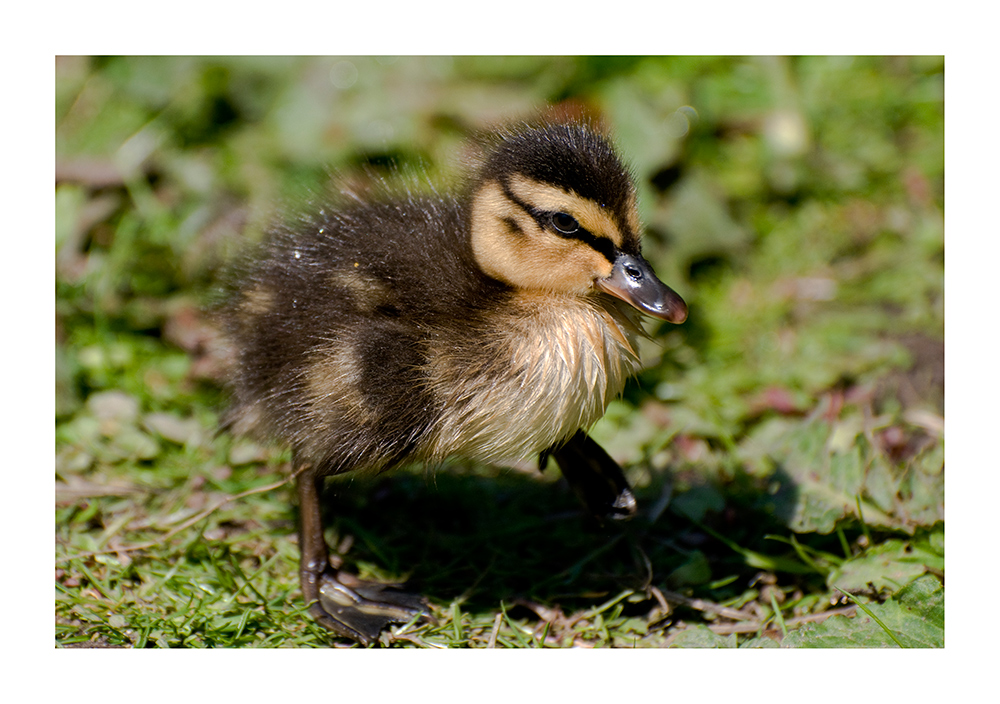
<point>565,223</point>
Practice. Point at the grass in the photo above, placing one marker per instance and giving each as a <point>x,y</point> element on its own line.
<point>786,443</point>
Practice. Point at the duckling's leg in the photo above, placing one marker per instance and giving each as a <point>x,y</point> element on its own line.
<point>595,477</point>
<point>348,606</point>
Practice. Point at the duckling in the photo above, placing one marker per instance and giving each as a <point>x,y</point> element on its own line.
<point>494,323</point>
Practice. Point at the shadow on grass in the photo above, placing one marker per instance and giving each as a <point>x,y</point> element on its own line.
<point>487,539</point>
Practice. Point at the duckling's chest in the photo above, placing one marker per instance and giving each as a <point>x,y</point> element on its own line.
<point>547,367</point>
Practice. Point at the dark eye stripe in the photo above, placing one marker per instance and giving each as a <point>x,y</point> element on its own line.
<point>602,245</point>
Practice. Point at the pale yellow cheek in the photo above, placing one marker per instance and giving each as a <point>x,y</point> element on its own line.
<point>529,257</point>
<point>558,265</point>
<point>490,236</point>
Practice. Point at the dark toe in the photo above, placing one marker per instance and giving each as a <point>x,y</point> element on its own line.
<point>362,610</point>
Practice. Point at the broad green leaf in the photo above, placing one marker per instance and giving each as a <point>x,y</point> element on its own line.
<point>915,616</point>
<point>823,468</point>
<point>888,565</point>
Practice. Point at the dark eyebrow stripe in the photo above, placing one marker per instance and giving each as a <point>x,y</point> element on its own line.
<point>602,245</point>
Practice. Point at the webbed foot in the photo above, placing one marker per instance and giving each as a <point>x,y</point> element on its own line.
<point>348,606</point>
<point>361,610</point>
<point>595,478</point>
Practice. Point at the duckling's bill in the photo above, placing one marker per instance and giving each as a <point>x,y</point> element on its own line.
<point>633,280</point>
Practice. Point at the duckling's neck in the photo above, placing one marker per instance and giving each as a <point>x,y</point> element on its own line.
<point>550,367</point>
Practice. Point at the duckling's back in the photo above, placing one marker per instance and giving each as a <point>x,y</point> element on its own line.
<point>330,328</point>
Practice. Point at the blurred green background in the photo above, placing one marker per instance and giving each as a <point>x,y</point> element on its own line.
<point>786,442</point>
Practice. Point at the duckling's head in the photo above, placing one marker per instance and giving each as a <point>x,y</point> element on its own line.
<point>554,209</point>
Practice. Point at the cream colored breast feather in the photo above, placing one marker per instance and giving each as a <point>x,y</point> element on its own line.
<point>550,370</point>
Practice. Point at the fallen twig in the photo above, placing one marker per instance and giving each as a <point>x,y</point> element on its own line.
<point>701,605</point>
<point>725,629</point>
